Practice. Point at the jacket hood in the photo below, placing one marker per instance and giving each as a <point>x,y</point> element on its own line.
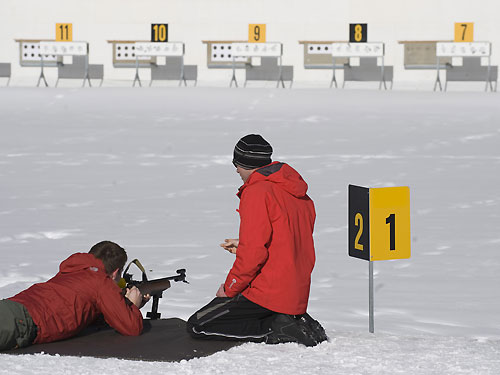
<point>81,261</point>
<point>279,173</point>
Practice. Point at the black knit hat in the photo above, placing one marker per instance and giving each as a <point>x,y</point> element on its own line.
<point>252,151</point>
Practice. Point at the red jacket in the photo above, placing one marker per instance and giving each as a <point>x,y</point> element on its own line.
<point>75,297</point>
<point>275,255</point>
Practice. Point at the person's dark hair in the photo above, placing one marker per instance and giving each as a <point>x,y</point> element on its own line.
<point>112,255</point>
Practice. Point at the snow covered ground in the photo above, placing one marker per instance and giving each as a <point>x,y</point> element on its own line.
<point>151,169</point>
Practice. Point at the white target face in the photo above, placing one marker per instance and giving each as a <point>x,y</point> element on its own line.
<point>64,48</point>
<point>159,49</point>
<point>479,49</point>
<point>30,52</point>
<point>124,51</point>
<point>257,49</point>
<point>223,52</point>
<point>357,49</point>
<point>319,49</point>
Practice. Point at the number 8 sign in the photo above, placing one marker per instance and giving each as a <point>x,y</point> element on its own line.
<point>358,33</point>
<point>379,223</point>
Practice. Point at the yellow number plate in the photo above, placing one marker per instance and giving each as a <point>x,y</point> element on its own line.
<point>464,31</point>
<point>390,223</point>
<point>64,32</point>
<point>256,33</point>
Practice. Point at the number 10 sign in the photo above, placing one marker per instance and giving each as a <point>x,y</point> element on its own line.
<point>379,223</point>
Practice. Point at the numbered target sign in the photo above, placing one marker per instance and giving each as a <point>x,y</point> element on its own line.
<point>256,33</point>
<point>159,32</point>
<point>64,32</point>
<point>358,33</point>
<point>464,31</point>
<point>379,223</point>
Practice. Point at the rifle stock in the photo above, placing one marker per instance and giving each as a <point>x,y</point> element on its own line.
<point>153,287</point>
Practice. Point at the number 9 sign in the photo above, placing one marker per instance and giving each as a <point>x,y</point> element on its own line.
<point>379,223</point>
<point>256,33</point>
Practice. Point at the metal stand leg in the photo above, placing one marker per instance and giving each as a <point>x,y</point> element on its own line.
<point>233,78</point>
<point>334,79</point>
<point>42,77</point>
<point>87,75</point>
<point>371,298</point>
<point>438,79</point>
<point>87,78</point>
<point>136,78</point>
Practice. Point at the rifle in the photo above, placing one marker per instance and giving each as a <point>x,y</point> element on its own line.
<point>154,287</point>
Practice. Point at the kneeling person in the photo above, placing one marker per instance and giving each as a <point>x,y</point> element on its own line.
<point>84,289</point>
<point>265,295</point>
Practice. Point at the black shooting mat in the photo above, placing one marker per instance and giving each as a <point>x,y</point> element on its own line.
<point>161,340</point>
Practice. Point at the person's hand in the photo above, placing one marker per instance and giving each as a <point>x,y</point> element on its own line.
<point>221,292</point>
<point>145,299</point>
<point>134,295</point>
<point>230,244</point>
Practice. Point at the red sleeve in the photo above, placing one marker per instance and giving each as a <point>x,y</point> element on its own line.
<point>255,235</point>
<point>125,318</point>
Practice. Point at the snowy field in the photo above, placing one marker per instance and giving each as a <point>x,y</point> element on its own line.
<point>151,169</point>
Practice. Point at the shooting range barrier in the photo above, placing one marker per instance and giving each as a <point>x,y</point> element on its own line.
<point>471,69</point>
<point>143,54</point>
<point>5,71</point>
<point>368,69</point>
<point>48,53</point>
<point>318,55</point>
<point>421,55</point>
<point>261,61</point>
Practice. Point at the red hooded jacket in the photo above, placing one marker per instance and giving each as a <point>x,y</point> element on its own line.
<point>275,255</point>
<point>75,297</point>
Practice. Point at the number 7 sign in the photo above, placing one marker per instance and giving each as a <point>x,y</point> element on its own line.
<point>379,223</point>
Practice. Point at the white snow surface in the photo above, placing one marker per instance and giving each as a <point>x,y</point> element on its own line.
<point>151,169</point>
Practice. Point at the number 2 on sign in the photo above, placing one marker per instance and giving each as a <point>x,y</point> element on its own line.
<point>358,221</point>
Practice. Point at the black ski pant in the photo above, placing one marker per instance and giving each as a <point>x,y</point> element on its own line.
<point>234,318</point>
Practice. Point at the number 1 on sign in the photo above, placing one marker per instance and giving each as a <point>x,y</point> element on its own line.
<point>391,220</point>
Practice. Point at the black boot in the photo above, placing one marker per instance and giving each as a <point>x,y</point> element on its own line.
<point>318,331</point>
<point>289,328</point>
